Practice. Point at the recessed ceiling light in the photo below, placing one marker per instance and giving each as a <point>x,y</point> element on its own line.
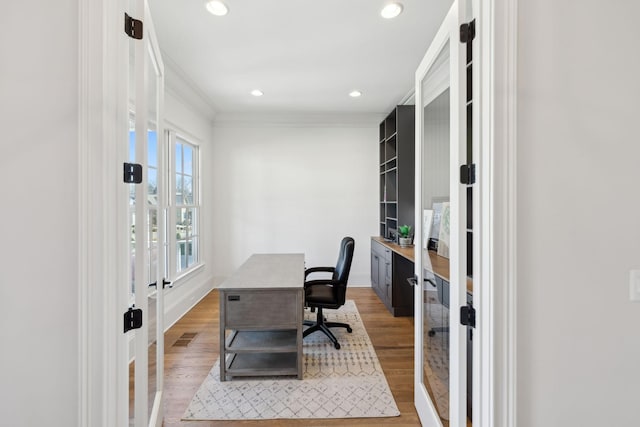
<point>391,10</point>
<point>257,92</point>
<point>355,93</point>
<point>217,8</point>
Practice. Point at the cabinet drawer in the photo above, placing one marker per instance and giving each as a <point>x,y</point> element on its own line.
<point>382,251</point>
<point>263,309</point>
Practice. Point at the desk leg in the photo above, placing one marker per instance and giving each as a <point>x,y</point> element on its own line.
<point>299,331</point>
<point>223,355</point>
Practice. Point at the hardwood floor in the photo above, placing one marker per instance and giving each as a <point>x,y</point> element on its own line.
<point>189,358</point>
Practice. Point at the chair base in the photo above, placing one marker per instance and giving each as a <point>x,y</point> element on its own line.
<point>321,325</point>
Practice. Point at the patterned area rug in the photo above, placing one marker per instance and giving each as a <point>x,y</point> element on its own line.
<point>345,383</point>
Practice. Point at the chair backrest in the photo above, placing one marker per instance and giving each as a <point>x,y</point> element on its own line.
<point>343,267</point>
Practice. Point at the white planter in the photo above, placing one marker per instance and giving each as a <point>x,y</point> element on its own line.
<point>404,241</point>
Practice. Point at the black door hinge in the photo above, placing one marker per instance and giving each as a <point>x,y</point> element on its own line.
<point>468,32</point>
<point>132,319</point>
<point>468,174</point>
<point>132,27</point>
<point>132,173</point>
<point>468,315</point>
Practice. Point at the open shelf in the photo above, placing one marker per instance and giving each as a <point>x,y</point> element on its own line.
<point>261,364</point>
<point>264,341</point>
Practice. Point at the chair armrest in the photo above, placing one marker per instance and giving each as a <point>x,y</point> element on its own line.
<point>318,282</point>
<point>319,270</point>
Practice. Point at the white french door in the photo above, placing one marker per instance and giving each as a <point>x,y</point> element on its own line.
<point>146,231</point>
<point>442,228</point>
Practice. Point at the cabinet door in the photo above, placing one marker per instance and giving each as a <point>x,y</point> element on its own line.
<point>375,269</point>
<point>388,273</point>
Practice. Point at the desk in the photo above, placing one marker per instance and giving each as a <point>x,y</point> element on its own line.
<point>261,314</point>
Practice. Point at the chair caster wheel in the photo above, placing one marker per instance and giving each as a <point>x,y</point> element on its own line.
<point>337,346</point>
<point>432,333</point>
<point>349,330</point>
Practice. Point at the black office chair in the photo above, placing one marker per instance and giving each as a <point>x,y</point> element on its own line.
<point>329,293</point>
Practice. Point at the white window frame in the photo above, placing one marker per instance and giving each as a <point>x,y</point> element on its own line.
<point>175,138</point>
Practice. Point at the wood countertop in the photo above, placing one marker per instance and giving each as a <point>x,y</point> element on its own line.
<point>439,263</point>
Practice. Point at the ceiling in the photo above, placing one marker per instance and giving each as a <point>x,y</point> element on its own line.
<point>305,55</point>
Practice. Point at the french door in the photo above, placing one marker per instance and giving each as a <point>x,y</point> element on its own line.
<point>146,228</point>
<point>443,240</point>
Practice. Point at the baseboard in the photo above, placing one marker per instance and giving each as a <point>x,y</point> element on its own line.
<point>359,285</point>
<point>181,299</point>
<point>360,280</point>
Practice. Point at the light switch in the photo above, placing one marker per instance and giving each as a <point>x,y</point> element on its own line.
<point>634,285</point>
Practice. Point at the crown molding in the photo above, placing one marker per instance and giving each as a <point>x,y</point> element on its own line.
<point>297,119</point>
<point>178,84</point>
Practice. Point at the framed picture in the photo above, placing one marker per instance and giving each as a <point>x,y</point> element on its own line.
<point>437,204</point>
<point>445,230</point>
<point>427,222</point>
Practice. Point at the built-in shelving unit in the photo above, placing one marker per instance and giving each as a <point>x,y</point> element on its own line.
<point>397,183</point>
<point>397,169</point>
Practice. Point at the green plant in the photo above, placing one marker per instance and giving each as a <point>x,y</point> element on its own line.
<point>405,231</point>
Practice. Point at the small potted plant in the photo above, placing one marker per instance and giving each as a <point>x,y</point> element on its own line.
<point>404,238</point>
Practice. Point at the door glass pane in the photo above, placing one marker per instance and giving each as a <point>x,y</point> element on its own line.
<point>152,204</point>
<point>435,253</point>
<point>131,236</point>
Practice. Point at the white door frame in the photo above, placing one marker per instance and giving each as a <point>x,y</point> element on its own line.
<point>495,338</point>
<point>100,58</point>
<point>497,28</point>
<point>102,124</point>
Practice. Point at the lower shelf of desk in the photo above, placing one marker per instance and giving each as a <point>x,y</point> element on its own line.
<point>262,353</point>
<point>261,364</point>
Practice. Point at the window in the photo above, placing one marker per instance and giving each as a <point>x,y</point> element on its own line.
<point>185,201</point>
<point>152,205</point>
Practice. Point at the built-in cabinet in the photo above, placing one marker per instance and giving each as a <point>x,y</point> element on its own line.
<point>391,266</point>
<point>381,272</point>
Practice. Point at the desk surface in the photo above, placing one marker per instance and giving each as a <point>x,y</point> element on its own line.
<point>268,271</point>
<point>440,264</point>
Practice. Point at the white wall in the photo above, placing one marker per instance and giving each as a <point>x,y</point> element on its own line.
<point>39,215</point>
<point>195,125</point>
<point>578,213</point>
<point>295,188</point>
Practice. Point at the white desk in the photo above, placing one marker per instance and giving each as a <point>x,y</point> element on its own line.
<point>261,306</point>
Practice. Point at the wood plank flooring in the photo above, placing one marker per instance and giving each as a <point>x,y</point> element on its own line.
<point>189,358</point>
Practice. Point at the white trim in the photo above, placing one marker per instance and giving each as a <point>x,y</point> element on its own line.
<point>438,79</point>
<point>499,133</point>
<point>100,333</point>
<point>85,383</point>
<point>180,306</point>
<point>180,85</point>
<point>446,50</point>
<point>297,119</point>
<point>483,382</point>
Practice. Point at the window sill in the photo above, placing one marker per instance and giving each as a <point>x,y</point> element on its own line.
<point>185,275</point>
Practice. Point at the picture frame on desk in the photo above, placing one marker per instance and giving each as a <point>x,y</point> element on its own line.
<point>437,204</point>
<point>427,222</point>
<point>445,230</point>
